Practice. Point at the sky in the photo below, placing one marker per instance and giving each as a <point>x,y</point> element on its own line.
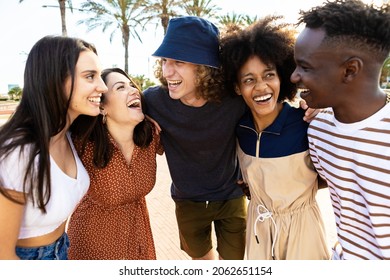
<point>21,25</point>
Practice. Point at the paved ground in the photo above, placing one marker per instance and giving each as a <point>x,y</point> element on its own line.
<point>162,213</point>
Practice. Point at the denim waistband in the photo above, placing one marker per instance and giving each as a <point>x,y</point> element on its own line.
<point>57,250</point>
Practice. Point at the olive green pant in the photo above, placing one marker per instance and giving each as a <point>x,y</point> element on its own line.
<point>195,221</point>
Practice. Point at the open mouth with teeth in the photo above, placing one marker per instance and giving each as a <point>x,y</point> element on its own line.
<point>94,99</point>
<point>302,92</point>
<point>136,103</point>
<point>174,83</point>
<point>262,98</point>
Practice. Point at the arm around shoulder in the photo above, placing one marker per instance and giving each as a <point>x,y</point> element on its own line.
<point>310,113</point>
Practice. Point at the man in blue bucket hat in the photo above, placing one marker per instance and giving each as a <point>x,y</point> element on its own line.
<point>191,39</point>
<point>198,119</point>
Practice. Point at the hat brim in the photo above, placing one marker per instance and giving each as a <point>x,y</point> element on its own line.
<point>201,57</point>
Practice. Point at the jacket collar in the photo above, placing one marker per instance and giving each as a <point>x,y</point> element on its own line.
<point>276,127</point>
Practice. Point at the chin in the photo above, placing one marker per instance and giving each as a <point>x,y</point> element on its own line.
<point>141,117</point>
<point>309,102</point>
<point>174,95</point>
<point>92,113</point>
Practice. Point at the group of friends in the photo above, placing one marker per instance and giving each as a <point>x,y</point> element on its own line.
<point>78,156</point>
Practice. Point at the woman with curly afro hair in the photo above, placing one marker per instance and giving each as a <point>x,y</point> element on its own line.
<point>284,221</point>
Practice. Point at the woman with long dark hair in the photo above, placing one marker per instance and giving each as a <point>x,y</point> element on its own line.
<point>41,176</point>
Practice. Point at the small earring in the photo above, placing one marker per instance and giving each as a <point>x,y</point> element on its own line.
<point>104,119</point>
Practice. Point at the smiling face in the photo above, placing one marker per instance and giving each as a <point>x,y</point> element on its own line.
<point>181,80</point>
<point>319,70</point>
<point>88,86</point>
<point>122,102</point>
<point>259,85</point>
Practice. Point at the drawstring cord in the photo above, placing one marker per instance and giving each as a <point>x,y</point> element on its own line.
<point>263,214</point>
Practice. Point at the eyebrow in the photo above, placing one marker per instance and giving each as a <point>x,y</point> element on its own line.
<point>268,69</point>
<point>300,61</point>
<point>119,82</point>
<point>124,83</point>
<point>89,71</point>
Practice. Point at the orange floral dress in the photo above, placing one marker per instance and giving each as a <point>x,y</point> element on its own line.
<point>112,220</point>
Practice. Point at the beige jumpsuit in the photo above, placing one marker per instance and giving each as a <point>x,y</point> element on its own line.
<point>284,221</point>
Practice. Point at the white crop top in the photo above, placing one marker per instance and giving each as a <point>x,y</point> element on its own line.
<point>65,194</point>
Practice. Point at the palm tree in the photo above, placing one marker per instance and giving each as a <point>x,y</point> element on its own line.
<point>142,81</point>
<point>231,22</point>
<point>161,10</point>
<point>15,93</point>
<point>62,5</point>
<point>201,8</point>
<point>247,20</point>
<point>123,15</point>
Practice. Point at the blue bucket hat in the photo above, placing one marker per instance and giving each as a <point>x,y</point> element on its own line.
<point>191,39</point>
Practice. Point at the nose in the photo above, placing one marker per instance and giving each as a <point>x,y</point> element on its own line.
<point>133,91</point>
<point>167,68</point>
<point>101,87</point>
<point>261,84</point>
<point>294,78</point>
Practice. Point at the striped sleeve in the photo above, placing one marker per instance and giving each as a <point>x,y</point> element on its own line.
<point>355,161</point>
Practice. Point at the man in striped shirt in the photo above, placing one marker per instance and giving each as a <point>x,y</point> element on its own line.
<point>339,56</point>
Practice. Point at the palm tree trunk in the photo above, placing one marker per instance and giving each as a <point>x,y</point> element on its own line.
<point>63,20</point>
<point>125,38</point>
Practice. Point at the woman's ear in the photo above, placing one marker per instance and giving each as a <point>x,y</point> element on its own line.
<point>237,90</point>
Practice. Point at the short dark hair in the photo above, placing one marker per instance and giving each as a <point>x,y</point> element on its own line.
<point>362,26</point>
<point>273,43</point>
